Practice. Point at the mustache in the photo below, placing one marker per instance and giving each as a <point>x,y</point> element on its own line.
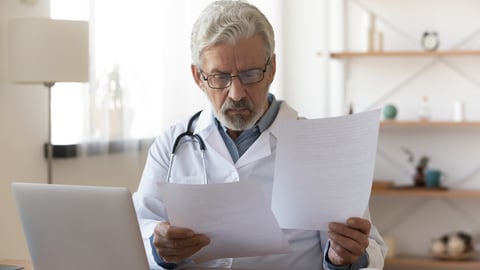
<point>232,104</point>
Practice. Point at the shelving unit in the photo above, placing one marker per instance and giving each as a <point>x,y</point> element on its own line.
<point>426,193</point>
<point>449,124</point>
<point>399,72</point>
<point>340,55</point>
<point>425,262</point>
<point>409,262</point>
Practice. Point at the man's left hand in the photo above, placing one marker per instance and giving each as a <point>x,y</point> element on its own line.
<point>348,242</point>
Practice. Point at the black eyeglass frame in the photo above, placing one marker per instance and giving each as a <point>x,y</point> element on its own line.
<point>206,77</point>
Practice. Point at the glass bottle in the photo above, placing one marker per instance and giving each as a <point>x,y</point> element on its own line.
<point>424,111</point>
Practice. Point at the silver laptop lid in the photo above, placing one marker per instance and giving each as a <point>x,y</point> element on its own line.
<point>80,227</point>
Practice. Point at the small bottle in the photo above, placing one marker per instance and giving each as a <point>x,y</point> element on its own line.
<point>424,111</point>
<point>458,111</point>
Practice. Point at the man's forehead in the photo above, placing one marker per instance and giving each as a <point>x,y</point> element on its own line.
<point>244,53</point>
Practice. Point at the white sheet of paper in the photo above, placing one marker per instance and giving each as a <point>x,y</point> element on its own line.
<point>324,169</point>
<point>235,216</point>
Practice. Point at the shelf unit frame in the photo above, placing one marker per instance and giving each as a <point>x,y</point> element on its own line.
<point>341,60</point>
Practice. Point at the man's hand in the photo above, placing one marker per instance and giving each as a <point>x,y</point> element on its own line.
<point>175,244</point>
<point>349,241</point>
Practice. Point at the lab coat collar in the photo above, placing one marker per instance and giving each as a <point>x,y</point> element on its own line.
<point>285,113</point>
<point>206,127</point>
<point>262,147</point>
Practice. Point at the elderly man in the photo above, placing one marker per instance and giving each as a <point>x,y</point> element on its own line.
<point>233,63</point>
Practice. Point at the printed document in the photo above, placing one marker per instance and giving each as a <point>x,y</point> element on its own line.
<point>324,169</point>
<point>235,216</point>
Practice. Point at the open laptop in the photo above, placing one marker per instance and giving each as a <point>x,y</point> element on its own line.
<point>71,227</point>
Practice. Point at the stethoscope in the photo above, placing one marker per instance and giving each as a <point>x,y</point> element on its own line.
<point>196,138</point>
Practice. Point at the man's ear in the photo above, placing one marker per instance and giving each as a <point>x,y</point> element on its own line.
<point>272,68</point>
<point>197,76</point>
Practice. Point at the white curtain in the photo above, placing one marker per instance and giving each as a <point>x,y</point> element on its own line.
<point>140,80</point>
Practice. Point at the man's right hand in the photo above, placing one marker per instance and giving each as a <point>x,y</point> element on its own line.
<point>175,244</point>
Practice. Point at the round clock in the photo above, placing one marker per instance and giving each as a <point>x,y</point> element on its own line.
<point>430,40</point>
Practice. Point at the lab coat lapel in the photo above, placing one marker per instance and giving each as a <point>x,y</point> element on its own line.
<point>286,113</point>
<point>258,150</point>
<point>262,147</point>
<point>207,129</point>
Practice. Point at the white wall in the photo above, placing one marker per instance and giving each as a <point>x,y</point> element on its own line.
<point>304,80</point>
<point>23,130</point>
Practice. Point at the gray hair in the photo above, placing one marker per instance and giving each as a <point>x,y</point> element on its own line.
<point>229,21</point>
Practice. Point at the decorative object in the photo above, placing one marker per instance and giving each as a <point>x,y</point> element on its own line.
<point>432,178</point>
<point>371,32</point>
<point>430,40</point>
<point>419,176</point>
<point>458,111</point>
<point>374,37</point>
<point>424,111</point>
<point>389,112</point>
<point>110,98</point>
<point>452,246</point>
<point>45,51</point>
<point>379,41</point>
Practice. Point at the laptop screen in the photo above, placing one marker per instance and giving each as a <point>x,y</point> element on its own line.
<point>80,227</point>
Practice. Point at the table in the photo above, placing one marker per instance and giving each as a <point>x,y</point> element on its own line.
<point>25,263</point>
<point>28,265</point>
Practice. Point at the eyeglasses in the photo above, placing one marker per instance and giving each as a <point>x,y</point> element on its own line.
<point>224,80</point>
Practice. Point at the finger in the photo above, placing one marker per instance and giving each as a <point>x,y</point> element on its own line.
<point>346,231</point>
<point>355,228</point>
<point>172,259</point>
<point>186,251</point>
<point>198,239</point>
<point>360,224</point>
<point>352,237</point>
<point>180,254</point>
<point>346,246</point>
<point>168,231</point>
<point>340,255</point>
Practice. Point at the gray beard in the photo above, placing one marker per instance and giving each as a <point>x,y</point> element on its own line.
<point>239,122</point>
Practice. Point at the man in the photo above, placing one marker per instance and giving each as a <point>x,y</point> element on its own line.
<point>233,63</point>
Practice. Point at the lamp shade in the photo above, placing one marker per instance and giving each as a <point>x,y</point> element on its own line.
<point>42,50</point>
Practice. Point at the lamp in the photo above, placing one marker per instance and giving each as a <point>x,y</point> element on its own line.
<point>46,51</point>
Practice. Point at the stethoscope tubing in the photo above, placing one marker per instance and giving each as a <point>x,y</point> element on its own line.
<point>196,138</point>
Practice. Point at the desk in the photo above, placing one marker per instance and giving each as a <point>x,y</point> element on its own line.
<point>25,263</point>
<point>28,265</point>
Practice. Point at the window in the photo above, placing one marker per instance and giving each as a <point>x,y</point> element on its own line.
<point>140,80</point>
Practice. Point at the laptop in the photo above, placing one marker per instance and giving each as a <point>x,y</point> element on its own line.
<point>70,227</point>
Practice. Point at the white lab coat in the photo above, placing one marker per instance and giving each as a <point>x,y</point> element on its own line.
<point>256,164</point>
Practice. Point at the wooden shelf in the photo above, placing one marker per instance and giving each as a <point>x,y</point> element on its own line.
<point>426,262</point>
<point>395,123</point>
<point>426,192</point>
<point>405,54</point>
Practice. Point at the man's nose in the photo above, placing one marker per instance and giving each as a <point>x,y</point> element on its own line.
<point>237,90</point>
